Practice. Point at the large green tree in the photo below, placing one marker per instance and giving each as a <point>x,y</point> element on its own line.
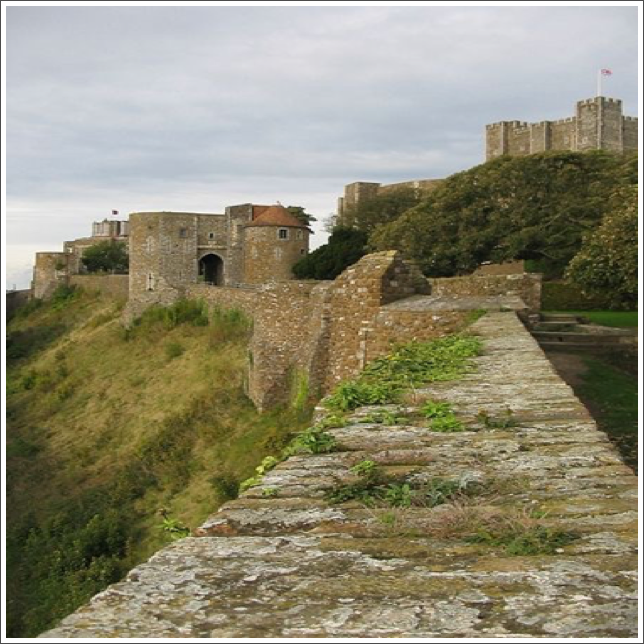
<point>108,256</point>
<point>606,264</point>
<point>387,206</point>
<point>345,247</point>
<point>300,214</point>
<point>537,207</point>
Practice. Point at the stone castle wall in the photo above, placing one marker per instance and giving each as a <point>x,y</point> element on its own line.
<point>355,300</point>
<point>325,332</point>
<point>269,257</point>
<point>286,334</point>
<point>290,564</point>
<point>526,286</point>
<point>116,286</point>
<point>598,124</point>
<point>50,272</point>
<point>359,191</point>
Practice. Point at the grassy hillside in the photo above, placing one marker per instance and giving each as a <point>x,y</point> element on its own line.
<point>118,441</point>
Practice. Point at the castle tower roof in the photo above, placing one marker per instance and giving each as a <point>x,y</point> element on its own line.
<point>276,216</point>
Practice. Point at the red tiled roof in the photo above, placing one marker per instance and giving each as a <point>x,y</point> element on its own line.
<point>277,216</point>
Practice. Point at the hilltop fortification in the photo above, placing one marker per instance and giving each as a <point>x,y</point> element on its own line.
<point>248,244</point>
<point>598,124</point>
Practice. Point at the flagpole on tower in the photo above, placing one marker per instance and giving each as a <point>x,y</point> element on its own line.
<point>600,73</point>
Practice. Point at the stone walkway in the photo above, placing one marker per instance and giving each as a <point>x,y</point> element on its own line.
<point>291,565</point>
<point>458,303</point>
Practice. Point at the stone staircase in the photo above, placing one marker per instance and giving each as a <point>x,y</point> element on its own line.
<point>566,331</point>
<point>283,562</point>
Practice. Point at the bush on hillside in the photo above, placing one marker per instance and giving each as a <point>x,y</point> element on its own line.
<point>606,264</point>
<point>345,247</point>
<point>383,208</point>
<point>561,295</point>
<point>106,257</point>
<point>536,207</point>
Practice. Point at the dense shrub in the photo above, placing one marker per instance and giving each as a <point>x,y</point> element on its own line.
<point>345,247</point>
<point>606,264</point>
<point>383,208</point>
<point>536,207</point>
<point>106,257</point>
<point>562,295</point>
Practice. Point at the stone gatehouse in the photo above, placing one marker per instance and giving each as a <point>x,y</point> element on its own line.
<point>169,251</point>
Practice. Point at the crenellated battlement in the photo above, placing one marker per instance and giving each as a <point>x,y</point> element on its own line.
<point>598,124</point>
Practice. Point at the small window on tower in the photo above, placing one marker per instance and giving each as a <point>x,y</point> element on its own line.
<point>282,233</point>
<point>211,236</point>
<point>183,233</point>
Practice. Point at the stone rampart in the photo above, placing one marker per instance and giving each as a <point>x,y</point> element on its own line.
<point>284,561</point>
<point>112,285</point>
<point>325,332</point>
<point>526,286</point>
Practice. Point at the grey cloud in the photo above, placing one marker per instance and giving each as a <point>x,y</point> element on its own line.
<point>152,105</point>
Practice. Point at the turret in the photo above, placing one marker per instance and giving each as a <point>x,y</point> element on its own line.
<point>273,242</point>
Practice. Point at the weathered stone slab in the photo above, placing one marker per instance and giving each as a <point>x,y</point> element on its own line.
<point>286,563</point>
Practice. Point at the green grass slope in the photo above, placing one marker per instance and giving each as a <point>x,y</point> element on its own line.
<point>117,442</point>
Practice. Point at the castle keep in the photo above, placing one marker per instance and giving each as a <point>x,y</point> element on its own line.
<point>598,124</point>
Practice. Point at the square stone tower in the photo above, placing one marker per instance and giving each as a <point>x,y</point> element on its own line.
<point>598,124</point>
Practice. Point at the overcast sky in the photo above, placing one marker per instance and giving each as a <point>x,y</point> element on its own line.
<point>196,108</point>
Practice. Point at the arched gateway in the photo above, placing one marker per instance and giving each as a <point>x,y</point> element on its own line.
<point>211,267</point>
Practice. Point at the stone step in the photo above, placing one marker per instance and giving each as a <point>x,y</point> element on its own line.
<point>564,346</point>
<point>563,317</point>
<point>577,338</point>
<point>554,326</point>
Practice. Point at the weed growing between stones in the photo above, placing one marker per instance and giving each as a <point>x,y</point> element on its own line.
<point>313,440</point>
<point>364,468</point>
<point>441,417</point>
<point>332,421</point>
<point>384,417</point>
<point>447,424</point>
<point>173,528</point>
<point>382,382</point>
<point>356,393</point>
<point>385,379</point>
<point>504,422</point>
<point>521,533</point>
<point>517,532</point>
<point>435,409</point>
<point>374,488</point>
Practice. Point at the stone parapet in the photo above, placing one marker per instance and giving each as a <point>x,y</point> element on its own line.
<point>291,564</point>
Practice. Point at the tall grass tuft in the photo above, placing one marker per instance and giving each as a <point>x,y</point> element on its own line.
<point>229,325</point>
